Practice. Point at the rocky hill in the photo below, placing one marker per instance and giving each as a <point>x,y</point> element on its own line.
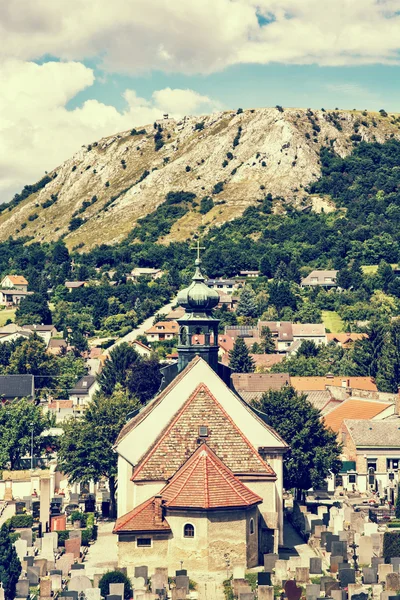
<point>236,157</point>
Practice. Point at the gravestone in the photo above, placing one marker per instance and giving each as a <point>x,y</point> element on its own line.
<point>292,591</point>
<point>182,582</point>
<point>159,581</point>
<point>21,547</point>
<point>33,574</point>
<point>360,596</point>
<point>26,534</point>
<point>79,583</point>
<point>142,572</point>
<point>238,572</point>
<point>69,594</point>
<point>56,579</point>
<point>92,593</point>
<point>339,548</point>
<point>370,528</point>
<point>45,587</point>
<point>353,589</point>
<point>312,591</point>
<point>281,569</point>
<point>42,564</point>
<point>75,533</point>
<point>114,597</point>
<point>78,567</point>
<point>315,565</point>
<point>318,531</point>
<point>22,588</point>
<point>264,579</point>
<point>365,550</point>
<point>370,575</point>
<point>302,574</point>
<point>395,561</point>
<point>65,562</point>
<point>324,580</point>
<point>392,582</point>
<point>28,561</point>
<point>334,563</point>
<point>329,541</point>
<point>269,562</point>
<point>376,561</point>
<point>330,586</point>
<point>338,595</point>
<point>47,550</point>
<point>73,547</point>
<point>54,537</point>
<point>325,519</point>
<point>316,523</point>
<point>180,572</point>
<point>265,592</point>
<point>116,589</point>
<point>383,571</point>
<point>346,577</point>
<point>239,584</point>
<point>242,596</point>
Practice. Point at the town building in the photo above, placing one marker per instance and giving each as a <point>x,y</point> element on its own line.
<point>145,272</point>
<point>16,282</point>
<point>82,394</point>
<point>200,473</point>
<point>74,285</point>
<point>326,279</point>
<point>12,297</point>
<point>15,387</point>
<point>141,348</point>
<point>161,331</point>
<point>225,286</point>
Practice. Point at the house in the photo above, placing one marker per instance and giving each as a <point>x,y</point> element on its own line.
<point>314,332</point>
<point>14,387</point>
<point>228,301</point>
<point>225,286</point>
<point>74,285</point>
<point>264,362</point>
<point>345,340</point>
<point>249,274</point>
<point>175,314</point>
<point>83,391</point>
<point>57,346</point>
<point>17,282</point>
<point>12,332</point>
<point>61,409</point>
<point>357,408</point>
<point>141,349</point>
<point>199,470</point>
<point>314,384</point>
<point>371,455</point>
<point>145,272</point>
<point>46,332</point>
<point>326,279</point>
<point>251,386</point>
<point>12,297</point>
<point>163,330</point>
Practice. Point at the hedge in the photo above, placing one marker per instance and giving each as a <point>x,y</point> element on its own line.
<point>391,545</point>
<point>62,536</point>
<point>115,577</point>
<point>21,521</point>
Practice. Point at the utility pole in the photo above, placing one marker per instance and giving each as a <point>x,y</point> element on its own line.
<point>32,446</point>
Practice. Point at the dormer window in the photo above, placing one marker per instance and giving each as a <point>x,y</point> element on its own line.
<point>203,431</point>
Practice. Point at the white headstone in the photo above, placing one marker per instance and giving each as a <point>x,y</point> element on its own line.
<point>21,547</point>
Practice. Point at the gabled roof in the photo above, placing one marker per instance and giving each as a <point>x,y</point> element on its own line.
<point>350,409</point>
<point>17,386</point>
<point>204,482</point>
<point>138,343</point>
<point>74,284</point>
<point>17,279</point>
<point>259,382</point>
<point>164,327</point>
<point>345,338</point>
<point>143,518</point>
<point>180,439</point>
<point>308,329</point>
<point>83,385</point>
<point>381,434</point>
<point>303,384</point>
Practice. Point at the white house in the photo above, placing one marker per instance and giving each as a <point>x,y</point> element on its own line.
<point>17,282</point>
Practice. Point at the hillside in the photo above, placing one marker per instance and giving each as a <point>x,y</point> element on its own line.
<point>235,157</point>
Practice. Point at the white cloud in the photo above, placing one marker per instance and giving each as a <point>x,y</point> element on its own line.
<point>37,132</point>
<point>202,36</point>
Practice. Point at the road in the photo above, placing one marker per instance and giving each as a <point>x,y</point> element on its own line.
<point>132,335</point>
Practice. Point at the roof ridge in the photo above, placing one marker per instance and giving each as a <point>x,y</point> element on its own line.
<point>224,475</point>
<point>207,495</point>
<point>132,512</point>
<point>195,463</point>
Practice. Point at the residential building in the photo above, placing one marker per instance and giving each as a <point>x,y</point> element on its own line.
<point>314,384</point>
<point>57,346</point>
<point>326,279</point>
<point>145,272</point>
<point>83,392</point>
<point>14,387</point>
<point>314,332</point>
<point>46,332</point>
<point>251,386</point>
<point>141,348</point>
<point>199,470</point>
<point>74,285</point>
<point>228,301</point>
<point>17,282</point>
<point>371,455</point>
<point>163,330</point>
<point>357,408</point>
<point>264,362</point>
<point>249,274</point>
<point>225,286</point>
<point>12,297</point>
<point>345,340</point>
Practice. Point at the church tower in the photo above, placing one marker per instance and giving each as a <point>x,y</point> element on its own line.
<point>198,331</point>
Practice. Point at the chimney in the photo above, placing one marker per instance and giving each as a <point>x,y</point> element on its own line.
<point>158,510</point>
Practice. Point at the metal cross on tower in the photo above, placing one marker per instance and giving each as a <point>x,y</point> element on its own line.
<point>198,248</point>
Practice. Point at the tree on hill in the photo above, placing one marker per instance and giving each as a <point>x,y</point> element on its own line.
<point>240,360</point>
<point>85,451</point>
<point>31,358</point>
<point>388,375</point>
<point>144,379</point>
<point>314,452</point>
<point>10,566</point>
<point>308,348</point>
<point>116,367</point>
<point>33,310</point>
<point>247,306</point>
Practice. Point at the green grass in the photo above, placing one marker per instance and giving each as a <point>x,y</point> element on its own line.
<point>332,321</point>
<point>372,269</point>
<point>8,313</point>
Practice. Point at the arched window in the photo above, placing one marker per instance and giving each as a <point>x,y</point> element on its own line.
<point>188,530</point>
<point>251,526</point>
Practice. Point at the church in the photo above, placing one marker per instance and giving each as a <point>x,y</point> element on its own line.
<point>200,472</point>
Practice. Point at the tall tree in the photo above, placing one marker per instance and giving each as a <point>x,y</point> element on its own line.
<point>85,451</point>
<point>240,360</point>
<point>267,341</point>
<point>314,452</point>
<point>308,348</point>
<point>10,566</point>
<point>116,367</point>
<point>30,357</point>
<point>388,375</point>
<point>247,306</point>
<point>33,310</point>
<point>18,420</point>
<point>144,379</point>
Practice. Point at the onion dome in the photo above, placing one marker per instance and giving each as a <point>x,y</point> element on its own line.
<point>198,296</point>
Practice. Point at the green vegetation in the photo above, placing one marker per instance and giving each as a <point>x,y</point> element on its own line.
<point>7,315</point>
<point>391,545</point>
<point>115,577</point>
<point>240,360</point>
<point>332,321</point>
<point>10,566</point>
<point>21,521</point>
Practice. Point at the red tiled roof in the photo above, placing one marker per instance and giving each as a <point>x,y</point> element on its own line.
<point>353,409</point>
<point>204,482</point>
<point>164,327</point>
<point>141,345</point>
<point>180,439</point>
<point>259,382</point>
<point>142,518</point>
<point>303,384</point>
<point>17,279</point>
<point>345,338</point>
<point>267,360</point>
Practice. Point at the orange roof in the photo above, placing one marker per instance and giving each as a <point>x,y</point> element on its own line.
<point>17,279</point>
<point>303,384</point>
<point>143,518</point>
<point>353,409</point>
<point>164,327</point>
<point>204,482</point>
<point>138,343</point>
<point>267,360</point>
<point>345,338</point>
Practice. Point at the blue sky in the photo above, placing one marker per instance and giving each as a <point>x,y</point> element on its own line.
<point>73,72</point>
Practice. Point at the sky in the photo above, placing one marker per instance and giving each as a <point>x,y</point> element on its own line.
<point>73,71</point>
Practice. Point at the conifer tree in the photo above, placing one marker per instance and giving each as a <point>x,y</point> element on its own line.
<point>240,360</point>
<point>267,341</point>
<point>247,306</point>
<point>10,566</point>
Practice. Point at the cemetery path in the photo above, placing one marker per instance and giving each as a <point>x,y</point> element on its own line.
<point>296,546</point>
<point>102,555</point>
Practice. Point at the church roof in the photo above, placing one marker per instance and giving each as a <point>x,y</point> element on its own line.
<point>180,438</point>
<point>145,517</point>
<point>204,482</point>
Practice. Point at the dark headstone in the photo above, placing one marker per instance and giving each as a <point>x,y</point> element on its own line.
<point>343,565</point>
<point>292,591</point>
<point>377,560</point>
<point>347,576</point>
<point>77,566</point>
<point>325,519</point>
<point>370,576</point>
<point>28,560</point>
<point>324,580</point>
<point>55,572</point>
<point>269,562</point>
<point>181,572</point>
<point>182,582</point>
<point>360,596</point>
<point>315,565</point>
<point>113,597</point>
<point>33,574</point>
<point>395,561</point>
<point>264,578</point>
<point>324,537</point>
<point>329,541</point>
<point>69,594</point>
<point>142,571</point>
<point>339,548</point>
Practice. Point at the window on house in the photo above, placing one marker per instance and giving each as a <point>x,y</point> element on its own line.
<point>188,530</point>
<point>352,478</point>
<point>371,464</point>
<point>203,431</point>
<point>251,526</point>
<point>143,542</point>
<point>392,464</point>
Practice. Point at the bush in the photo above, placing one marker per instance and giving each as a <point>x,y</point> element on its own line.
<point>62,536</point>
<point>33,217</point>
<point>199,126</point>
<point>218,187</point>
<point>206,204</point>
<point>391,545</point>
<point>77,515</point>
<point>21,521</point>
<point>75,223</point>
<point>115,577</point>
